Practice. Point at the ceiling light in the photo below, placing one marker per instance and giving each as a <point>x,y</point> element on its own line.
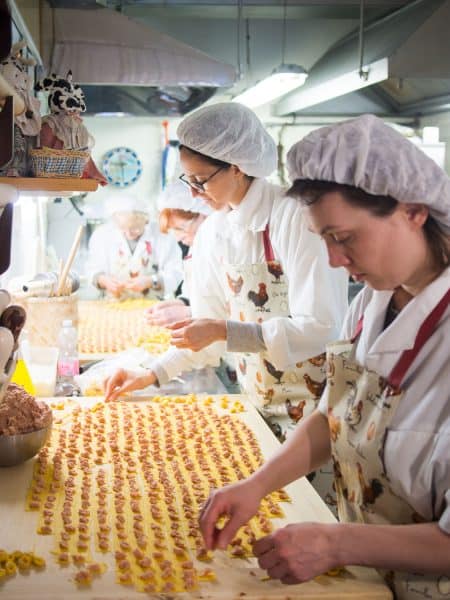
<point>334,87</point>
<point>283,79</point>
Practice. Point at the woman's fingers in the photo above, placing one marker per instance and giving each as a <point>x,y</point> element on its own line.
<point>120,383</point>
<point>224,536</point>
<point>263,545</point>
<point>111,383</point>
<point>180,324</point>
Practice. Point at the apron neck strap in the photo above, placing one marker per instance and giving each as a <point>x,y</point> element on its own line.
<point>359,327</point>
<point>268,250</point>
<point>426,330</point>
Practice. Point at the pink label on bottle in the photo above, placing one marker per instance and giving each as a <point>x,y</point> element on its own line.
<point>67,367</point>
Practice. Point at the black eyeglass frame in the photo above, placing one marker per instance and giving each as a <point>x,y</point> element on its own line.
<point>199,185</point>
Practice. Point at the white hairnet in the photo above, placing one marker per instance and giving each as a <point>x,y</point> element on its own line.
<point>231,132</point>
<point>368,154</point>
<point>178,196</point>
<point>120,202</point>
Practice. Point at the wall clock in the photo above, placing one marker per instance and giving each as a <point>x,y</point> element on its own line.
<point>121,167</point>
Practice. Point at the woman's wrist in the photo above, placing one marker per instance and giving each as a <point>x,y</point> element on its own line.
<point>220,326</point>
<point>147,379</point>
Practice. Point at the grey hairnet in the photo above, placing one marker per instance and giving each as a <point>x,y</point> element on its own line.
<point>367,153</point>
<point>230,132</point>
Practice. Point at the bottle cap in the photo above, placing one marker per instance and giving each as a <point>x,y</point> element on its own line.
<point>67,323</point>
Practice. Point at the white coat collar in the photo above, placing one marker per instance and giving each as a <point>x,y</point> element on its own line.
<point>254,211</point>
<point>402,332</point>
<point>140,246</point>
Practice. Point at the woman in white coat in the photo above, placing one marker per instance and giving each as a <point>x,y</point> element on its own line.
<point>180,215</point>
<point>383,208</point>
<point>261,287</point>
<point>129,257</point>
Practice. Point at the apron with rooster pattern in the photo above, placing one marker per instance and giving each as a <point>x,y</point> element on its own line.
<point>256,292</point>
<point>361,405</point>
<point>132,264</point>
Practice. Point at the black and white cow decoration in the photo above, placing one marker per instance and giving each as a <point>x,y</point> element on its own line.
<point>64,95</point>
<point>15,69</point>
<point>63,128</point>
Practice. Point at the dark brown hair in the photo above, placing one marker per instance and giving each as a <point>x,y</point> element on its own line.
<point>215,162</point>
<point>309,191</point>
<point>209,159</point>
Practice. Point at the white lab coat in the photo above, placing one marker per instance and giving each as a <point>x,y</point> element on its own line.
<point>317,293</point>
<point>109,253</point>
<point>417,445</point>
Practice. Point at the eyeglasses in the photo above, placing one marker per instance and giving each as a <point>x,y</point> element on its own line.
<point>198,185</point>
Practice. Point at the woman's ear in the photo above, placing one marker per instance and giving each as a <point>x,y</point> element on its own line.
<point>416,214</point>
<point>236,171</point>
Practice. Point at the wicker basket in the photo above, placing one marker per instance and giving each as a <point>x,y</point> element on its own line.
<point>51,162</point>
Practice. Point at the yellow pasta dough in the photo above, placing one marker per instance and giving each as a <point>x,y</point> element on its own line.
<point>128,479</point>
<point>109,327</point>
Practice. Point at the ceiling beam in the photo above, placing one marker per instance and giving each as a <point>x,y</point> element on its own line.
<point>218,9</point>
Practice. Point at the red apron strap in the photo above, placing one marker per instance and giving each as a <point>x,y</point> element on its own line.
<point>359,327</point>
<point>268,250</point>
<point>426,330</point>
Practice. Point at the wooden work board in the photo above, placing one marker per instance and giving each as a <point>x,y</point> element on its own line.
<point>236,578</point>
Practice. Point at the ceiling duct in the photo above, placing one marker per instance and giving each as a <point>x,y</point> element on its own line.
<point>406,60</point>
<point>124,66</point>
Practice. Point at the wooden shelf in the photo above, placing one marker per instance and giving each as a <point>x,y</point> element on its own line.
<point>51,186</point>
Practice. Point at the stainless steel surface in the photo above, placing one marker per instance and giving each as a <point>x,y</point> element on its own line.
<point>16,449</point>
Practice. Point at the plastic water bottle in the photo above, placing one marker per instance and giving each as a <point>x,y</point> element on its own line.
<point>68,364</point>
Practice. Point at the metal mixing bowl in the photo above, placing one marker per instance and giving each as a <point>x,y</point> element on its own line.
<point>16,449</point>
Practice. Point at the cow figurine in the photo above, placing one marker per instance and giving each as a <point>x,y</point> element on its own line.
<point>63,128</point>
<point>14,69</point>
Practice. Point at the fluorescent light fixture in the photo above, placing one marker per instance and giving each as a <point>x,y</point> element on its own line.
<point>334,87</point>
<point>283,79</point>
<point>111,114</point>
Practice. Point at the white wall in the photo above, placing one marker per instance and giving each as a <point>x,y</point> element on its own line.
<point>443,122</point>
<point>144,135</point>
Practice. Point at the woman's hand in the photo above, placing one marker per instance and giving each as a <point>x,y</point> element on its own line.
<point>139,284</point>
<point>111,284</point>
<point>238,502</point>
<point>196,334</point>
<point>297,553</point>
<point>167,313</point>
<point>125,381</point>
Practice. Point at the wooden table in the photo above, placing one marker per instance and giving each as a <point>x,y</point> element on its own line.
<point>237,578</point>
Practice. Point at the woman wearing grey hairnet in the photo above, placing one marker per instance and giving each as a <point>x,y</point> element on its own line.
<point>260,279</point>
<point>383,209</point>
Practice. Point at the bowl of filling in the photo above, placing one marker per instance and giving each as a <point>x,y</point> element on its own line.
<point>25,426</point>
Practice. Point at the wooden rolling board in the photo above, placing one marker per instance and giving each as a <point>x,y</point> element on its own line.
<point>236,578</point>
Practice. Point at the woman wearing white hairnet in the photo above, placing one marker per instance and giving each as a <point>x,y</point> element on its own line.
<point>383,209</point>
<point>261,282</point>
<point>181,215</point>
<point>129,257</point>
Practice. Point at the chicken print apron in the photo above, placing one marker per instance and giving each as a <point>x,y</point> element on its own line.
<point>130,265</point>
<point>361,406</point>
<point>254,293</point>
